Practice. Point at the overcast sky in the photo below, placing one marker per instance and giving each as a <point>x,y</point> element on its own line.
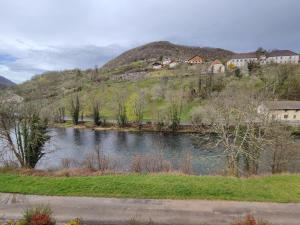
<point>43,35</point>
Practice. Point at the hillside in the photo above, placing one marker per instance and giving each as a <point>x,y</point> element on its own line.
<point>155,50</point>
<point>5,82</point>
<point>131,76</point>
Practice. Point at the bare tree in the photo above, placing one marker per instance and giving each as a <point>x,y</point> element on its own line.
<point>138,109</point>
<point>239,128</point>
<point>174,113</point>
<point>24,132</point>
<point>59,115</point>
<point>96,113</point>
<point>282,148</point>
<point>159,119</point>
<point>122,118</point>
<point>75,108</point>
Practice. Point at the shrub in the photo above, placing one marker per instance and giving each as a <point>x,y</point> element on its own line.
<point>249,220</point>
<point>150,163</point>
<point>74,222</point>
<point>39,216</point>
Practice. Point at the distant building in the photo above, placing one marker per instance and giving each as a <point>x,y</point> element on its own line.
<point>195,60</point>
<point>157,65</point>
<point>217,67</point>
<point>242,59</point>
<point>173,64</point>
<point>277,56</point>
<point>166,62</point>
<point>288,111</point>
<point>283,57</point>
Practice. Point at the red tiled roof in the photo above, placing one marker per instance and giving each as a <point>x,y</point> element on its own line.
<point>216,62</point>
<point>196,56</point>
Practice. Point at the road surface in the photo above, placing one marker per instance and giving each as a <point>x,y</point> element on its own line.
<point>116,211</point>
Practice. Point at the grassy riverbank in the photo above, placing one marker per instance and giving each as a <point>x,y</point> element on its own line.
<point>281,188</point>
<point>129,128</point>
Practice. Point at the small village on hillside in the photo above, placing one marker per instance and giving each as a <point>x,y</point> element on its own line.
<point>241,60</point>
<point>287,111</point>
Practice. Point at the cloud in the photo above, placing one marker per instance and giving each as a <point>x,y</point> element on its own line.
<point>28,60</point>
<point>53,34</point>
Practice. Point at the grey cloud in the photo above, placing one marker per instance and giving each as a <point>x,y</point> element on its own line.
<point>55,34</point>
<point>31,62</point>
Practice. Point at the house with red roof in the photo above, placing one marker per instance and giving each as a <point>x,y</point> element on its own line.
<point>216,67</point>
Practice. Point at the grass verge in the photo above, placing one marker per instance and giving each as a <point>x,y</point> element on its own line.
<point>281,188</point>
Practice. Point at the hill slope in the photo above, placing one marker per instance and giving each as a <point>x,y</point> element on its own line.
<point>5,82</point>
<point>155,50</point>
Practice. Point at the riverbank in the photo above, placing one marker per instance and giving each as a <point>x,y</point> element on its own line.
<point>147,127</point>
<point>279,188</point>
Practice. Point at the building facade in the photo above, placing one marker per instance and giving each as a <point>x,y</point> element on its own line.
<point>283,57</point>
<point>217,67</point>
<point>277,56</point>
<point>173,64</point>
<point>288,111</point>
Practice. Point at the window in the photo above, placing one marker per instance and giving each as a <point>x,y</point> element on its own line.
<point>295,116</point>
<point>286,116</point>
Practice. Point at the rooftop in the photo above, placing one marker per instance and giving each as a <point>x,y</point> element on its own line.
<point>275,53</point>
<point>216,62</point>
<point>283,105</point>
<point>245,55</point>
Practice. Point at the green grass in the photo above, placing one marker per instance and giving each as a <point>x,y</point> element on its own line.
<point>283,188</point>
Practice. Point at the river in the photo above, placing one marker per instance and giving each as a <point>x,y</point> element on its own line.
<point>77,144</point>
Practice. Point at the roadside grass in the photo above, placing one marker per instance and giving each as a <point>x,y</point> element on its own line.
<point>280,188</point>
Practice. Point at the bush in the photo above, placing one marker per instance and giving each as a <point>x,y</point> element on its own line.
<point>74,222</point>
<point>39,216</point>
<point>249,220</point>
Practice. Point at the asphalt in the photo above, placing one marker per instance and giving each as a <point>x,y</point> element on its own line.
<point>120,211</point>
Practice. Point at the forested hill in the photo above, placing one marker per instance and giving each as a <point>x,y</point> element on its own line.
<point>155,50</point>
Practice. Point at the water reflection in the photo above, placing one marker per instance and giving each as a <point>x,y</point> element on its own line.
<point>123,146</point>
<point>77,137</point>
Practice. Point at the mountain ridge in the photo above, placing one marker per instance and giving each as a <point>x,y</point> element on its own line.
<point>156,50</point>
<point>4,82</point>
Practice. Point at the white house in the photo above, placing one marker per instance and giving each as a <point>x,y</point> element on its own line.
<point>276,56</point>
<point>216,67</point>
<point>283,57</point>
<point>166,62</point>
<point>173,64</point>
<point>288,111</point>
<point>242,59</point>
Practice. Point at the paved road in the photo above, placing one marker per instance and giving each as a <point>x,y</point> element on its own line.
<point>114,211</point>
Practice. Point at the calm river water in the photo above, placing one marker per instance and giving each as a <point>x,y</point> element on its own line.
<point>73,144</point>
